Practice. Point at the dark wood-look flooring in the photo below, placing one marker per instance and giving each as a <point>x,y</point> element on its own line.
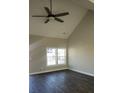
<point>65,81</point>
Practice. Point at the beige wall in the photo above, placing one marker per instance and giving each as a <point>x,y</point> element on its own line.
<point>80,49</point>
<point>81,46</point>
<point>38,45</point>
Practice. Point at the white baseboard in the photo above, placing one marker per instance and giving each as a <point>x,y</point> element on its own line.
<point>34,73</point>
<point>89,74</point>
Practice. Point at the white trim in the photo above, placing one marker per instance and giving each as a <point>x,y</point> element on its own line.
<point>47,71</point>
<point>89,74</point>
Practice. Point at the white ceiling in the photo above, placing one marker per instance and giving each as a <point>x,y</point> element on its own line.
<point>54,28</point>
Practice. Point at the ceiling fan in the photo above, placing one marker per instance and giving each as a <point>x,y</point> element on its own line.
<point>51,15</point>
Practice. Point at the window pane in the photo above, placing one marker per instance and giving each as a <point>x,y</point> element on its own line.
<point>51,52</point>
<point>61,59</point>
<point>61,56</point>
<point>51,56</point>
<point>51,60</point>
<point>61,52</point>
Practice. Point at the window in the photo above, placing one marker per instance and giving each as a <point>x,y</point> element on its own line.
<point>51,56</point>
<point>56,56</point>
<point>61,56</point>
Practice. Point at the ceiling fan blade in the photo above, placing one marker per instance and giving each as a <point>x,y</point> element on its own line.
<point>61,14</point>
<point>48,10</point>
<point>47,21</point>
<point>38,16</point>
<point>58,19</point>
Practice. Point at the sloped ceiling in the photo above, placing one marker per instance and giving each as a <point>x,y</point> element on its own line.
<point>89,4</point>
<point>54,28</point>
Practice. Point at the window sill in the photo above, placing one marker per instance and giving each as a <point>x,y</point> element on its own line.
<point>56,65</point>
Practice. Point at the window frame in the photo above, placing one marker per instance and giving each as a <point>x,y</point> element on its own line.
<point>62,56</point>
<point>56,57</point>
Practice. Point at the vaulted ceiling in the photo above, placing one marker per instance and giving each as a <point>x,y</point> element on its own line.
<point>76,9</point>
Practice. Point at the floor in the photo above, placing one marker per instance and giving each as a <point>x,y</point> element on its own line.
<point>65,81</point>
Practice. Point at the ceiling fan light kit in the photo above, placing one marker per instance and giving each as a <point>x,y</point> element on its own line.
<point>52,16</point>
